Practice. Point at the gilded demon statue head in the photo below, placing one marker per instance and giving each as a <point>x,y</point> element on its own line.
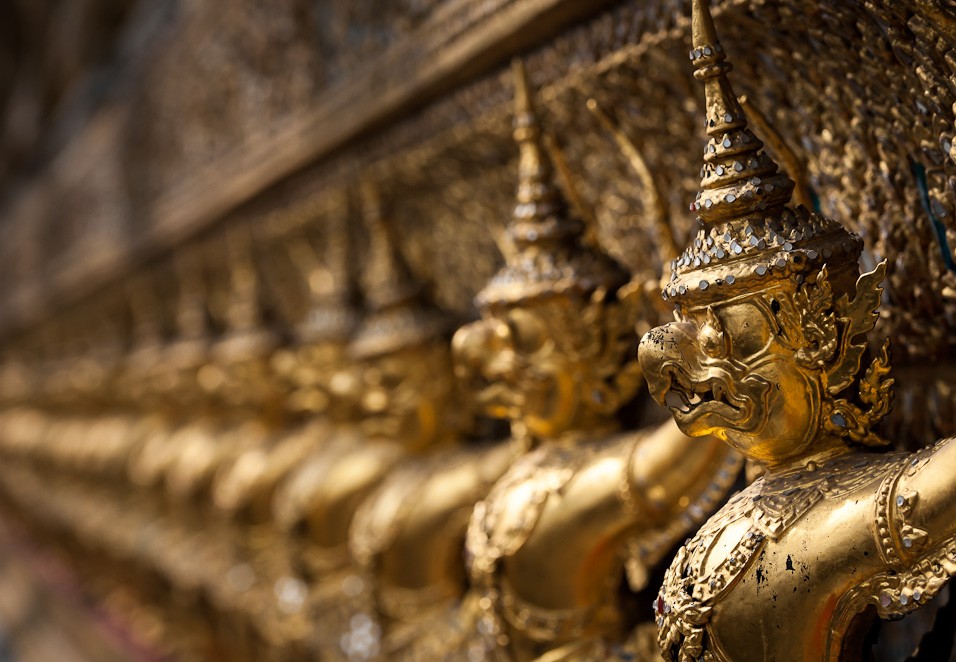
<point>551,350</point>
<point>405,381</point>
<point>771,327</point>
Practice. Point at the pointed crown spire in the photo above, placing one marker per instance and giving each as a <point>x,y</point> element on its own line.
<point>397,316</point>
<point>190,346</point>
<point>541,213</point>
<point>191,323</point>
<point>145,317</point>
<point>738,177</point>
<point>242,313</point>
<point>246,335</point>
<point>386,280</point>
<point>550,253</point>
<point>747,228</point>
<point>329,313</point>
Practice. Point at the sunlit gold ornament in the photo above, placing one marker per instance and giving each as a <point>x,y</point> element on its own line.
<point>547,546</point>
<point>768,354</point>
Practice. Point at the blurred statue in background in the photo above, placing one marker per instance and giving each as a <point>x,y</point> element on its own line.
<point>400,377</point>
<point>244,490</point>
<point>547,548</point>
<point>409,535</point>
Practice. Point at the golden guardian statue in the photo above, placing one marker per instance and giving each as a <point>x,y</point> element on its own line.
<point>401,380</point>
<point>245,488</point>
<point>770,353</point>
<point>587,507</point>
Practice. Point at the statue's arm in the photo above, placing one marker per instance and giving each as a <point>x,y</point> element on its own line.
<point>669,470</point>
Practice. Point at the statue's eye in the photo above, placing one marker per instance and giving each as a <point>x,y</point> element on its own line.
<point>527,333</point>
<point>391,381</point>
<point>712,338</point>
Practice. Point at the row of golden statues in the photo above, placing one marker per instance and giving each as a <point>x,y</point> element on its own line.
<point>343,495</point>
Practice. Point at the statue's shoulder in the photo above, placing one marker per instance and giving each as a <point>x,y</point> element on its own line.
<point>421,485</point>
<point>765,511</point>
<point>313,482</point>
<point>777,502</point>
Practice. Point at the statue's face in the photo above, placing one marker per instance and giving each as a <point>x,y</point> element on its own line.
<point>728,370</point>
<point>310,372</point>
<point>514,369</point>
<point>253,378</point>
<point>406,394</point>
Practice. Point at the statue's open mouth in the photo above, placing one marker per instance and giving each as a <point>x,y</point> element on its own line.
<point>689,399</point>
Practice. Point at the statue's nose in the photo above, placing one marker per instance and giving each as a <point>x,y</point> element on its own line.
<point>671,342</point>
<point>470,347</point>
<point>667,340</point>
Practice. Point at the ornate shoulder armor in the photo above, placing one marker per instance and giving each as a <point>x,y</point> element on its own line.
<point>773,505</point>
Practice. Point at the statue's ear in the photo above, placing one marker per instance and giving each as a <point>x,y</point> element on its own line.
<point>855,421</point>
<point>814,304</point>
<point>857,318</point>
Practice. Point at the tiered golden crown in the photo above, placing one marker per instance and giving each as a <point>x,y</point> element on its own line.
<point>549,254</point>
<point>748,230</point>
<point>397,316</point>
